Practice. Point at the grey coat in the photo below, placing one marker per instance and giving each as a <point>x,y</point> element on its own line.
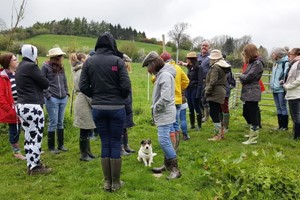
<point>82,107</point>
<point>250,81</point>
<point>163,101</point>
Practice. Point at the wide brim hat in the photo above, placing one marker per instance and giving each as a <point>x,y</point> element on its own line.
<point>55,52</point>
<point>192,54</point>
<point>215,54</point>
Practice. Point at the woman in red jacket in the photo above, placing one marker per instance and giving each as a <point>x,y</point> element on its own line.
<point>8,99</point>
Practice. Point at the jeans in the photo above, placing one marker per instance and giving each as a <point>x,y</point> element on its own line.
<point>193,102</point>
<point>14,133</point>
<point>183,121</point>
<point>294,106</point>
<point>56,112</point>
<point>280,103</point>
<point>109,125</point>
<point>165,141</point>
<point>176,123</point>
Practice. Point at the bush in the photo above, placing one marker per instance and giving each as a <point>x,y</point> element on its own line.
<point>131,50</point>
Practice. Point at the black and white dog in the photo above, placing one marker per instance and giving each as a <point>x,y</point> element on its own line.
<point>145,153</point>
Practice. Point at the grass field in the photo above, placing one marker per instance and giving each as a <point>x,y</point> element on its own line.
<point>210,170</point>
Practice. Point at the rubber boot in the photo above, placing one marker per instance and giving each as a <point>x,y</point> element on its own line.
<point>225,120</point>
<point>296,131</point>
<point>160,169</point>
<point>192,120</point>
<point>173,139</point>
<point>206,115</point>
<point>219,132</point>
<point>172,166</point>
<point>284,122</point>
<point>253,136</point>
<point>60,140</point>
<point>106,173</point>
<point>124,152</point>
<point>83,145</point>
<point>125,142</point>
<point>89,149</point>
<point>115,169</point>
<point>199,121</point>
<point>51,142</point>
<point>177,136</point>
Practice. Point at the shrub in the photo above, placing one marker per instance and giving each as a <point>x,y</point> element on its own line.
<point>131,50</point>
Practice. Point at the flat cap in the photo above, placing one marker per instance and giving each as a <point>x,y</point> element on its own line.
<point>149,58</point>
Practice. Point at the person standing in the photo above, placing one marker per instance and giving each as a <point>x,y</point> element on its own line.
<point>30,85</point>
<point>56,98</point>
<point>181,83</point>
<point>105,79</point>
<point>215,90</point>
<point>83,118</point>
<point>292,87</point>
<point>204,62</point>
<point>8,100</point>
<point>251,90</point>
<point>279,70</point>
<point>163,108</point>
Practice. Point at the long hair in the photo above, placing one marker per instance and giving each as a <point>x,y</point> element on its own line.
<point>56,64</point>
<point>5,60</point>
<point>158,63</point>
<point>249,53</point>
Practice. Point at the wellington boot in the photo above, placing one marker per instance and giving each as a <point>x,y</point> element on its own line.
<point>253,136</point>
<point>115,168</point>
<point>106,173</point>
<point>60,140</point>
<point>192,121</point>
<point>172,166</point>
<point>83,144</point>
<point>125,142</point>
<point>177,135</point>
<point>89,152</point>
<point>199,121</point>
<point>173,139</point>
<point>206,114</point>
<point>51,142</point>
<point>124,152</point>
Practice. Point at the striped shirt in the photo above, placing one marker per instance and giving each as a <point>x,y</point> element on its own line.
<point>13,86</point>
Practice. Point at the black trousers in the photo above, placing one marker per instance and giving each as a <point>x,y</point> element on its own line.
<point>251,113</point>
<point>214,112</point>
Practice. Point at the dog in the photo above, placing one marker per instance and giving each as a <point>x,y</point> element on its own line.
<point>145,153</point>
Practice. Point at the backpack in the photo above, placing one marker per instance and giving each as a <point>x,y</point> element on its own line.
<point>283,75</point>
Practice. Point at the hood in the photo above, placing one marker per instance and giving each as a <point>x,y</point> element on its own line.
<point>29,51</point>
<point>222,63</point>
<point>168,68</point>
<point>107,41</point>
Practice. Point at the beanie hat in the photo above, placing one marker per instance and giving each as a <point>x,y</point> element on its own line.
<point>280,52</point>
<point>149,58</point>
<point>165,56</point>
<point>29,51</point>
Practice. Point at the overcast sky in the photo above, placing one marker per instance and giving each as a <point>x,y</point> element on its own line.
<point>270,23</point>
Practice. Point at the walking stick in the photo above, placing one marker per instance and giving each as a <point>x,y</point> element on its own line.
<point>72,98</point>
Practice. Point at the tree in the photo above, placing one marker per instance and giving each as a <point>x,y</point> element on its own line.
<point>197,42</point>
<point>20,16</point>
<point>177,34</point>
<point>2,25</point>
<point>228,47</point>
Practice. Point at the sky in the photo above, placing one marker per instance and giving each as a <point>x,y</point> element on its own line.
<point>270,23</point>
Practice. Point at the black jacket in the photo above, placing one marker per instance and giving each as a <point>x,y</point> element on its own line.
<point>30,83</point>
<point>104,77</point>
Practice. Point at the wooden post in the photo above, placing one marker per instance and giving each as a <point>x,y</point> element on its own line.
<point>164,43</point>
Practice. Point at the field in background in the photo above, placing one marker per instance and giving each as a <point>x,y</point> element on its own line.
<point>210,170</point>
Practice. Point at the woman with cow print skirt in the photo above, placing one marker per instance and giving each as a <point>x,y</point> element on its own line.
<point>30,84</point>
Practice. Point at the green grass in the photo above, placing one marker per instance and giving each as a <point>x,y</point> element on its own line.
<point>221,170</point>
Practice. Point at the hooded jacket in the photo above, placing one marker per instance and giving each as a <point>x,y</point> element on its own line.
<point>163,102</point>
<point>251,90</point>
<point>104,76</point>
<point>292,84</point>
<point>278,74</point>
<point>7,106</point>
<point>215,89</point>
<point>30,83</point>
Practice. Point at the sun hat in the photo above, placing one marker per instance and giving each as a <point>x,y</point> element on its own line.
<point>165,56</point>
<point>215,54</point>
<point>149,58</point>
<point>192,54</point>
<point>55,52</point>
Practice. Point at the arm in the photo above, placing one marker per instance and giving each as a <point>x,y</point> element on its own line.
<point>84,82</point>
<point>200,82</point>
<point>39,77</point>
<point>184,80</point>
<point>296,82</point>
<point>213,78</point>
<point>165,92</point>
<point>250,75</point>
<point>66,84</point>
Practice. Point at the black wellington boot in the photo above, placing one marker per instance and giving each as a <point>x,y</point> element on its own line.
<point>51,142</point>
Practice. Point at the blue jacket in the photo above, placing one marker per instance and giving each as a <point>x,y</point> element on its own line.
<point>278,74</point>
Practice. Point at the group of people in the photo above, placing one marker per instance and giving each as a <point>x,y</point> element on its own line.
<point>103,101</point>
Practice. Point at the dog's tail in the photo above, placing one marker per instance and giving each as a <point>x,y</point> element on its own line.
<point>154,154</point>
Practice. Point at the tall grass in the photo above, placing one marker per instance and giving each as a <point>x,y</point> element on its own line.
<point>210,170</point>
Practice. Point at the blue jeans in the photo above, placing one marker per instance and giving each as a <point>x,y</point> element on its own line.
<point>183,121</point>
<point>176,123</point>
<point>165,141</point>
<point>56,112</point>
<point>109,125</point>
<point>280,103</point>
<point>14,133</point>
<point>294,106</point>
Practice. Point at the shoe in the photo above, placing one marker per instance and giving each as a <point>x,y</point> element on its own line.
<point>19,156</point>
<point>40,169</point>
<point>185,137</point>
<point>128,149</point>
<point>172,166</point>
<point>62,148</point>
<point>246,136</point>
<point>54,151</point>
